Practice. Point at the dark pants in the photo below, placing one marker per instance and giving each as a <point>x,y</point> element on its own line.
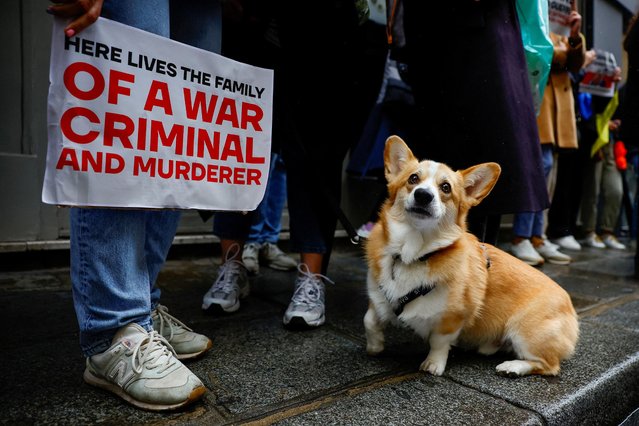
<point>562,215</point>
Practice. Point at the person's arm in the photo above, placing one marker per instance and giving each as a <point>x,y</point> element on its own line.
<point>86,13</point>
<point>576,44</point>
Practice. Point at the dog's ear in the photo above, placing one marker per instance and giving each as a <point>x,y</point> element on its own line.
<point>396,156</point>
<point>479,181</point>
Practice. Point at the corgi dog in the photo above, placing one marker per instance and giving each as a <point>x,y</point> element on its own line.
<point>425,271</point>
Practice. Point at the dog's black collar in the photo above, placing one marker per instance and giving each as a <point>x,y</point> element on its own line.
<point>427,256</point>
<point>406,299</point>
<point>424,258</point>
<point>398,258</point>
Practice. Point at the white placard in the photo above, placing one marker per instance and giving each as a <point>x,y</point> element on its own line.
<point>599,76</point>
<point>138,120</point>
<point>559,16</point>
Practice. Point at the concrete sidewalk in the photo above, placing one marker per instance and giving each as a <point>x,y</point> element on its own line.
<point>258,372</point>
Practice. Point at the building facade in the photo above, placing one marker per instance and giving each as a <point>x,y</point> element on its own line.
<point>26,223</point>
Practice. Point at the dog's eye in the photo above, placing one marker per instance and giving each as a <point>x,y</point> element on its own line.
<point>445,187</point>
<point>413,179</point>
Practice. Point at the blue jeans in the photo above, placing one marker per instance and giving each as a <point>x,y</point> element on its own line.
<point>267,221</point>
<point>530,224</point>
<point>116,255</point>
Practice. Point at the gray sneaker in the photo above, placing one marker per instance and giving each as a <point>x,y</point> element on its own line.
<point>231,285</point>
<point>250,257</point>
<point>183,340</point>
<point>141,368</point>
<point>276,258</point>
<point>306,308</point>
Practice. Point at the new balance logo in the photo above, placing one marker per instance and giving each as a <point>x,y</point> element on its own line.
<point>119,374</point>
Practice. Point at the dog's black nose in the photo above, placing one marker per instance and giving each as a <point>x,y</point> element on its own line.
<point>423,197</point>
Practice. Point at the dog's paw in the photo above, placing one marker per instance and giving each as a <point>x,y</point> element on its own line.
<point>433,366</point>
<point>515,368</point>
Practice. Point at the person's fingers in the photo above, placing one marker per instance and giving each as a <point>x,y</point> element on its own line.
<point>81,23</point>
<point>86,13</point>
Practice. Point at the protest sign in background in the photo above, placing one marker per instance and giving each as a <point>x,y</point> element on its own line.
<point>138,120</point>
<point>599,76</point>
<point>559,15</point>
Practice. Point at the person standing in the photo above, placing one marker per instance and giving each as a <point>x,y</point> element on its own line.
<point>602,186</point>
<point>557,131</point>
<point>326,93</point>
<point>133,346</point>
<point>473,98</point>
<point>261,244</point>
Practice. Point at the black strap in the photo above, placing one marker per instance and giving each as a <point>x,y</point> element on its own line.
<point>406,299</point>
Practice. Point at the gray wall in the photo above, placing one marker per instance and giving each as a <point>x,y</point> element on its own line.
<point>608,28</point>
<point>25,29</point>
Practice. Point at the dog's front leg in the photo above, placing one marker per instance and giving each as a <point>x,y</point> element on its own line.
<point>374,331</point>
<point>435,362</point>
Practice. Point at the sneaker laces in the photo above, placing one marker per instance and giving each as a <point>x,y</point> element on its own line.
<point>173,323</point>
<point>153,351</point>
<point>307,289</point>
<point>231,268</point>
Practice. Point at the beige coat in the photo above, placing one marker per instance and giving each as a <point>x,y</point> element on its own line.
<point>556,120</point>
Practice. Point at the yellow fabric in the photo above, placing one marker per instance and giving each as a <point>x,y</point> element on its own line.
<point>602,120</point>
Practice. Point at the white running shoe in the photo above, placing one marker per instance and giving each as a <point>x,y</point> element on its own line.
<point>593,240</point>
<point>568,242</point>
<point>182,339</point>
<point>231,285</point>
<point>306,308</point>
<point>276,258</point>
<point>250,257</point>
<point>141,368</point>
<point>552,254</point>
<point>525,251</point>
<point>612,242</point>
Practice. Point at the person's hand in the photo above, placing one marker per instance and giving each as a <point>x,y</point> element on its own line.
<point>616,77</point>
<point>613,125</point>
<point>574,21</point>
<point>86,13</point>
<point>589,58</point>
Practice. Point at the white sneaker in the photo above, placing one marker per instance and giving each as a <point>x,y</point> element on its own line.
<point>551,244</point>
<point>250,258</point>
<point>141,368</point>
<point>568,242</point>
<point>525,251</point>
<point>593,240</point>
<point>231,285</point>
<point>276,258</point>
<point>182,339</point>
<point>612,242</point>
<point>306,308</point>
<point>552,254</point>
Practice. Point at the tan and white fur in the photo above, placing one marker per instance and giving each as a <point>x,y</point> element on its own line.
<point>480,296</point>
